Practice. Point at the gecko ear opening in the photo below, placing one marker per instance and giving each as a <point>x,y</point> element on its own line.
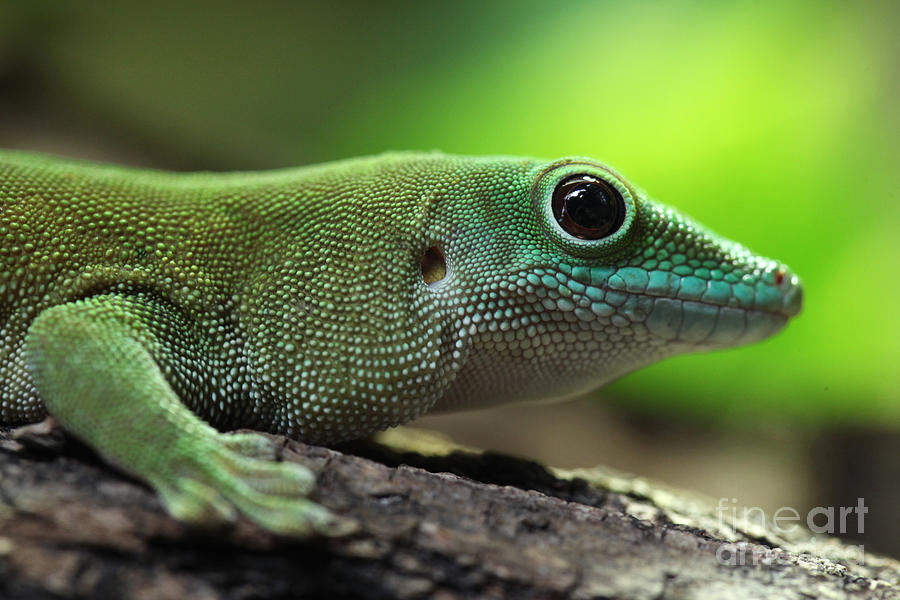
<point>434,266</point>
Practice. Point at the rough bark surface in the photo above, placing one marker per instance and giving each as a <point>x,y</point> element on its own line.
<point>452,526</point>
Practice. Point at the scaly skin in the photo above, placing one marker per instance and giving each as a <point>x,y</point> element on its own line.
<point>149,311</point>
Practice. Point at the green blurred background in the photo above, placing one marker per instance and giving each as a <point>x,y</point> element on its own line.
<point>775,123</point>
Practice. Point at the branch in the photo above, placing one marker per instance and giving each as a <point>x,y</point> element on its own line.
<point>454,525</point>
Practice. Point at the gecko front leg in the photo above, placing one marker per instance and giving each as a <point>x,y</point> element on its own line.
<point>97,366</point>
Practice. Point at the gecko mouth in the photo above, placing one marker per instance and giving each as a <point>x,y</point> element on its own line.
<point>784,296</point>
<point>707,325</point>
<point>715,323</point>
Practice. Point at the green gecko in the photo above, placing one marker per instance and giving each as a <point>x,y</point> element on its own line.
<point>151,312</point>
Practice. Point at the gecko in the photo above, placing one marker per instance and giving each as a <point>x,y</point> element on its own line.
<point>152,313</point>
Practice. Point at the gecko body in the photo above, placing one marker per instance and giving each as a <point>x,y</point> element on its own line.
<point>149,311</point>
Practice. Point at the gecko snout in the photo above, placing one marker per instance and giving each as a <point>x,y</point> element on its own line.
<point>791,289</point>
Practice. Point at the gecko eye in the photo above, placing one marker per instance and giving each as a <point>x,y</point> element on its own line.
<point>588,208</point>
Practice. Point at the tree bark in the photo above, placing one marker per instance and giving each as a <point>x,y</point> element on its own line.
<point>431,525</point>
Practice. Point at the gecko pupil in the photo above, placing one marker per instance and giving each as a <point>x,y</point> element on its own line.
<point>588,208</point>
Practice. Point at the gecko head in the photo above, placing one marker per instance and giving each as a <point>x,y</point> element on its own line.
<point>621,254</point>
<point>599,280</point>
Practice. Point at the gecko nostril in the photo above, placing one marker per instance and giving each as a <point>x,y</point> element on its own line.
<point>434,266</point>
<point>779,276</point>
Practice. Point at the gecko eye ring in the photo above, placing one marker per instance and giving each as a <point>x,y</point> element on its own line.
<point>588,208</point>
